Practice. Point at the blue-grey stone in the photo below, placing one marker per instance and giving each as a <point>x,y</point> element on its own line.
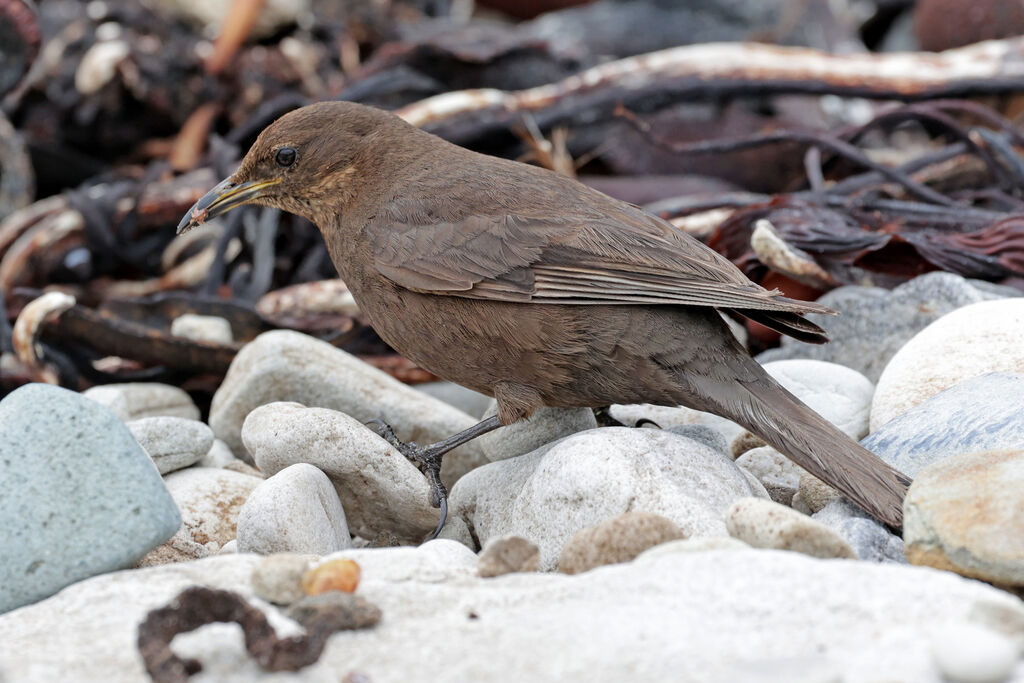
<point>80,496</point>
<point>979,414</point>
<point>873,323</point>
<point>870,540</point>
<point>709,436</point>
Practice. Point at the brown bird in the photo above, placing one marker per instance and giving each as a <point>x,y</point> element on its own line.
<point>530,287</point>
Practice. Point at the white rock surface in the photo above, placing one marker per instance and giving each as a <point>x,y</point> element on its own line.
<point>667,417</point>
<point>709,436</point>
<point>968,653</point>
<point>288,366</point>
<point>766,524</point>
<point>173,443</point>
<point>693,545</point>
<point>144,399</point>
<point>294,511</point>
<point>970,341</point>
<point>435,561</point>
<point>207,328</point>
<point>219,455</point>
<point>98,66</point>
<point>380,490</point>
<point>736,615</point>
<point>840,395</point>
<point>543,427</point>
<point>559,489</point>
<point>209,500</point>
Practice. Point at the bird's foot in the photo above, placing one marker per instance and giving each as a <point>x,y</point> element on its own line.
<point>604,419</point>
<point>427,460</point>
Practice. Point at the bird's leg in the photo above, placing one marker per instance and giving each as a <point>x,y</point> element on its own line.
<point>604,417</point>
<point>428,458</point>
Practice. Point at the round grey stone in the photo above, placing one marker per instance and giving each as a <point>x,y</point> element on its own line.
<point>80,496</point>
<point>550,494</point>
<point>874,323</point>
<point>144,399</point>
<point>543,427</point>
<point>979,414</point>
<point>296,510</point>
<point>174,443</point>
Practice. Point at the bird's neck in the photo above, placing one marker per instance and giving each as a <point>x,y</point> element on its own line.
<point>385,169</point>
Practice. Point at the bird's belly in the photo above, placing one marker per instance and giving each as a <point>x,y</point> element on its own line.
<point>473,343</point>
<point>571,355</point>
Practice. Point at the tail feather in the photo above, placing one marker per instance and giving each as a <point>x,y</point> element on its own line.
<point>767,409</point>
<point>825,451</point>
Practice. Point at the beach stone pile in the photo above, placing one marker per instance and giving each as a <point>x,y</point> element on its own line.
<point>681,549</point>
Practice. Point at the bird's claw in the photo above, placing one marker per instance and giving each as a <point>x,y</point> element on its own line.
<point>428,462</point>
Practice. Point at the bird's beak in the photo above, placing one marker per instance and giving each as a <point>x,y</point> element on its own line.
<point>221,199</point>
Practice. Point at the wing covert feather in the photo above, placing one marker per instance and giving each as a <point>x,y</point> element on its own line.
<point>619,255</point>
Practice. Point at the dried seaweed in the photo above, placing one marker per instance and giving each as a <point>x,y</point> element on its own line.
<point>321,616</point>
<point>131,112</point>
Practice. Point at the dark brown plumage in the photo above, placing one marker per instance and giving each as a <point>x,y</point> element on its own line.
<point>530,287</point>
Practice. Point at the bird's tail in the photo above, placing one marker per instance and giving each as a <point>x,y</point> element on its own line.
<point>767,409</point>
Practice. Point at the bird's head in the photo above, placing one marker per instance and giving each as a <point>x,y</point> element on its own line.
<point>305,162</point>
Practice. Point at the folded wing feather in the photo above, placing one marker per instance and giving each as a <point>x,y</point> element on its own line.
<point>626,257</point>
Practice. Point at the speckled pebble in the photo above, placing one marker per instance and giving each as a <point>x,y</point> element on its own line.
<point>766,524</point>
<point>173,443</point>
<point>277,578</point>
<point>619,539</point>
<point>813,494</point>
<point>210,500</point>
<point>144,399</point>
<point>507,555</point>
<point>779,475</point>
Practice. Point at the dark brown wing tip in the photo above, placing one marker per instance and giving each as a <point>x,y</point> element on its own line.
<point>787,323</point>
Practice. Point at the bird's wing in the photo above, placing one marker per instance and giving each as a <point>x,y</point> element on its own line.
<point>618,255</point>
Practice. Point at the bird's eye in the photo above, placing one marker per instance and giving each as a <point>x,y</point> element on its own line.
<point>285,156</point>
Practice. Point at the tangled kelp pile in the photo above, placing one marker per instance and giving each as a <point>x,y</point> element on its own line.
<point>807,158</point>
